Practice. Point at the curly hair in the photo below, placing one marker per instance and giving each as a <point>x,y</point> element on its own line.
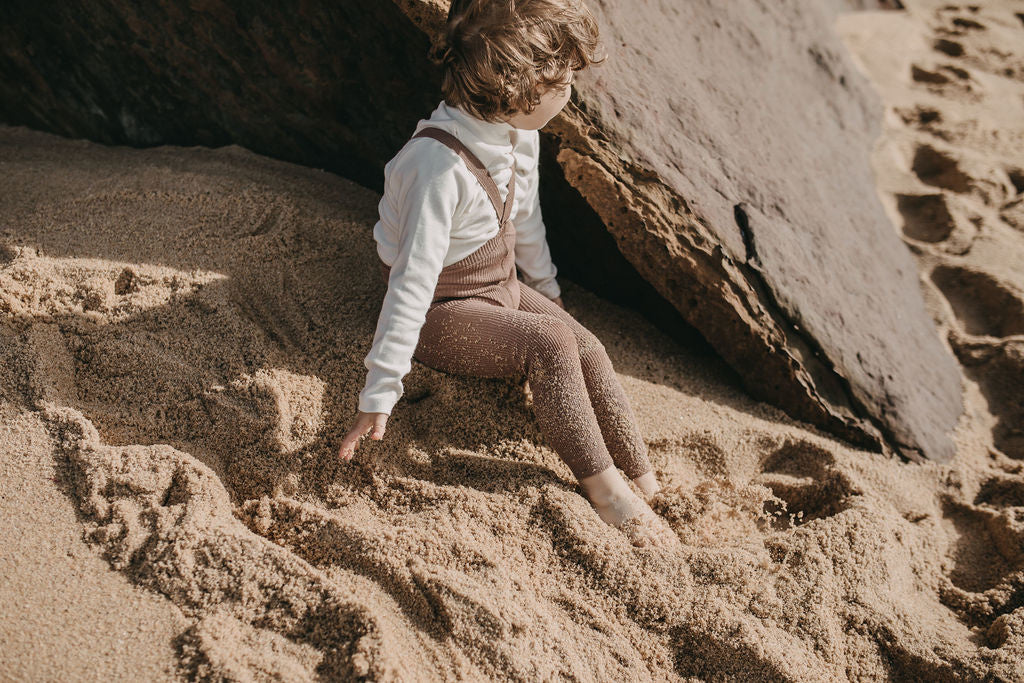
<point>499,56</point>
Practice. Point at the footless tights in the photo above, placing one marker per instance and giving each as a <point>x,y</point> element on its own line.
<point>578,400</point>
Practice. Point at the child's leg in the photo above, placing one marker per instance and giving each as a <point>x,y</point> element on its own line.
<point>470,336</point>
<point>474,337</point>
<point>611,405</point>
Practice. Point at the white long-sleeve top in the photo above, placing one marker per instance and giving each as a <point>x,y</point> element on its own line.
<point>434,212</point>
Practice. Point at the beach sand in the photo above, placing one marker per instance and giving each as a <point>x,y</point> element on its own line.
<point>182,333</point>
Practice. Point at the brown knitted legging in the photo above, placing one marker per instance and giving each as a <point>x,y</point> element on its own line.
<point>577,398</point>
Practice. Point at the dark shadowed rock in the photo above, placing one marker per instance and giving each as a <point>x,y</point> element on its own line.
<point>332,85</point>
<point>724,147</point>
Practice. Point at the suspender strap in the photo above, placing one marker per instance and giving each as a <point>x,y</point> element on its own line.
<point>478,169</point>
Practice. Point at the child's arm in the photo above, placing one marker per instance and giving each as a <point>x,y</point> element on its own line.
<point>533,256</point>
<point>426,190</point>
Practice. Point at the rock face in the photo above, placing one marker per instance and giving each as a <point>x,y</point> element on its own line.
<point>724,146</point>
<point>325,85</point>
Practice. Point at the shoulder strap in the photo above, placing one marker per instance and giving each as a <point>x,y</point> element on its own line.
<point>478,169</point>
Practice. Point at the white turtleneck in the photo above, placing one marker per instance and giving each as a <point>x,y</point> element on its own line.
<point>434,212</point>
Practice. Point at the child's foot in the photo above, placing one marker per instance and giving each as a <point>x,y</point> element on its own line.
<point>618,506</point>
<point>648,484</point>
<point>635,519</point>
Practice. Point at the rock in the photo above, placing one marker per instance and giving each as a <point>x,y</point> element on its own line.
<point>336,86</point>
<point>724,147</point>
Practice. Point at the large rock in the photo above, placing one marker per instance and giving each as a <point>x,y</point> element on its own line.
<point>332,85</point>
<point>724,147</point>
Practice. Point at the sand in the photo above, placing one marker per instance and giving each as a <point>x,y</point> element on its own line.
<point>181,341</point>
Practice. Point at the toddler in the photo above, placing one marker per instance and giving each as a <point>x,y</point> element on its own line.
<point>460,213</point>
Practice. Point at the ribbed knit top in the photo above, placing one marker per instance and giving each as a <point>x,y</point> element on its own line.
<point>434,212</point>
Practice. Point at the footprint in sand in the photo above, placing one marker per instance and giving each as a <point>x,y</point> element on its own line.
<point>948,47</point>
<point>998,368</point>
<point>986,549</point>
<point>990,345</point>
<point>952,170</point>
<point>985,578</point>
<point>939,169</point>
<point>926,217</point>
<point>959,20</point>
<point>1000,492</point>
<point>945,79</point>
<point>981,303</point>
<point>805,477</point>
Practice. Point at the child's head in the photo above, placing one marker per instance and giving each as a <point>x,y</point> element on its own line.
<point>514,59</point>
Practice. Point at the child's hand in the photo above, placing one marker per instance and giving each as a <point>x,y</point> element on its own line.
<point>558,300</point>
<point>363,423</point>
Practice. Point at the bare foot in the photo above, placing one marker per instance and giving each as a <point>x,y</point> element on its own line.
<point>635,519</point>
<point>618,506</point>
<point>648,484</point>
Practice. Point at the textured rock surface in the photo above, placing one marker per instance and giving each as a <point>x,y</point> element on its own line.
<point>723,146</point>
<point>325,85</point>
<point>746,197</point>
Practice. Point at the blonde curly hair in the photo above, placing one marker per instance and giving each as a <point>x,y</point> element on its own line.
<point>499,56</point>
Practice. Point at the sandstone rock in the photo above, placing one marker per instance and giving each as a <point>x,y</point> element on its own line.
<point>335,86</point>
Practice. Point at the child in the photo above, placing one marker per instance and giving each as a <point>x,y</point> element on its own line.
<point>453,300</point>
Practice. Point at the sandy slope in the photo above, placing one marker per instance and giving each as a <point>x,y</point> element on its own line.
<point>181,344</point>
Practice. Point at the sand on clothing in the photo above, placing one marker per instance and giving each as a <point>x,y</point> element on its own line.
<point>181,341</point>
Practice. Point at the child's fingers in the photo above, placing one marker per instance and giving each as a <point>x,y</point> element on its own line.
<point>363,425</point>
<point>348,444</point>
<point>379,426</point>
<point>348,447</point>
